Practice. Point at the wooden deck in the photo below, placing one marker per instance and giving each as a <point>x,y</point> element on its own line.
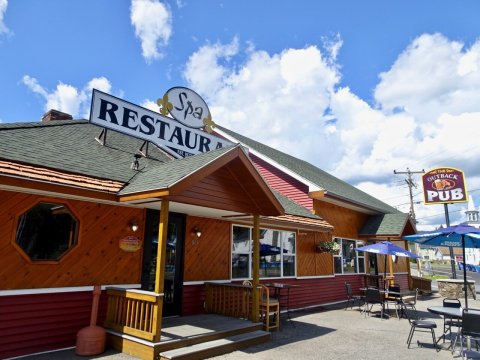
<point>192,337</point>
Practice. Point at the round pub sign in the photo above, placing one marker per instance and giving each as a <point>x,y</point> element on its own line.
<point>444,185</point>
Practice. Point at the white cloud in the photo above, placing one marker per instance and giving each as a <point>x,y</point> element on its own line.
<point>67,98</point>
<point>277,99</point>
<point>3,10</point>
<point>426,113</point>
<point>432,76</point>
<point>152,22</point>
<point>149,104</point>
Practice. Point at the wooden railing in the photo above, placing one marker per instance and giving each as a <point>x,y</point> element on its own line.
<point>229,300</point>
<point>134,312</point>
<point>423,285</point>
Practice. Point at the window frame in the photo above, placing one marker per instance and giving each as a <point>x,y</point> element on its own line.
<point>28,207</point>
<point>250,254</point>
<point>359,256</point>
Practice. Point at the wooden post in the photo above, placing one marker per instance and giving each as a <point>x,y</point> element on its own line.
<point>390,266</point>
<point>256,268</point>
<point>160,270</point>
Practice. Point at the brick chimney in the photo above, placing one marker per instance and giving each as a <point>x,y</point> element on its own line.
<point>56,115</point>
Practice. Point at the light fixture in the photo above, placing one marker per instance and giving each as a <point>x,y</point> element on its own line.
<point>134,225</point>
<point>135,164</point>
<point>197,231</point>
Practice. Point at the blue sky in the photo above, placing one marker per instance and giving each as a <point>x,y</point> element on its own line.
<point>357,88</point>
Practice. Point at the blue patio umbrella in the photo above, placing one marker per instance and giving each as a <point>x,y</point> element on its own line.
<point>266,249</point>
<point>460,236</point>
<point>387,248</point>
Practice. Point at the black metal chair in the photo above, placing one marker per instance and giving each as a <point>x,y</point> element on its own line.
<point>394,298</point>
<point>420,325</point>
<point>374,296</point>
<point>409,301</point>
<point>351,298</point>
<point>449,323</point>
<point>471,330</point>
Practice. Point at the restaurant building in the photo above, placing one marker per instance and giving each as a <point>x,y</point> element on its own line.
<point>82,206</point>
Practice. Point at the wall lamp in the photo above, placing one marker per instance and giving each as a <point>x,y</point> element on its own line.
<point>197,231</point>
<point>134,225</point>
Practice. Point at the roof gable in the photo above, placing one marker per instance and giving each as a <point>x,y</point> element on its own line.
<point>223,179</point>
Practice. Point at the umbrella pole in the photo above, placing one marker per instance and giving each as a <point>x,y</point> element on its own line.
<point>465,286</point>
<point>385,272</point>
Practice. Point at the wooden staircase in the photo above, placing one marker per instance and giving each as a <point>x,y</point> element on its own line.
<point>192,337</point>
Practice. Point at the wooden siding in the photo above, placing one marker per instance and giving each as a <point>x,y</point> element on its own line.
<point>42,322</point>
<point>207,257</point>
<point>346,222</point>
<point>283,183</point>
<point>95,260</point>
<point>230,188</point>
<point>309,261</point>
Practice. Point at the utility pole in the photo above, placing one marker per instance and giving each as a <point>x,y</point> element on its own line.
<point>411,185</point>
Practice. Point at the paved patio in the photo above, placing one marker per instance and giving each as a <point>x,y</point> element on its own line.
<point>331,332</point>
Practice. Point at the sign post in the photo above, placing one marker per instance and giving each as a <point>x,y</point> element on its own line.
<point>443,186</point>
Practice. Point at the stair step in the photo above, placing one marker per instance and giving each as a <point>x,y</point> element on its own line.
<point>217,347</point>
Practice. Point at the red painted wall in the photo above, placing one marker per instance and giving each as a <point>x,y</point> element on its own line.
<point>36,323</point>
<point>309,293</point>
<point>283,183</point>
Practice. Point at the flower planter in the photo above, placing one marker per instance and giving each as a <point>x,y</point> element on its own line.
<point>329,247</point>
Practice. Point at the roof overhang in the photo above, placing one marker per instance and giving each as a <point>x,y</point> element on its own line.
<point>241,173</point>
<point>238,171</point>
<point>287,222</point>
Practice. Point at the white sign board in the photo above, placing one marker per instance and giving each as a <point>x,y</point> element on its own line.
<point>113,113</point>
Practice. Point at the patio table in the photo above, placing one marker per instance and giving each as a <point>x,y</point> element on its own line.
<point>278,289</point>
<point>446,312</point>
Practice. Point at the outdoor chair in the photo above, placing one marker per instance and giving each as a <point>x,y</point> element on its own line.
<point>352,299</point>
<point>420,325</point>
<point>393,299</point>
<point>448,323</point>
<point>269,309</point>
<point>372,297</point>
<point>247,299</point>
<point>409,302</point>
<point>470,330</point>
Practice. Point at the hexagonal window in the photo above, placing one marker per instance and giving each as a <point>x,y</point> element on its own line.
<point>47,231</point>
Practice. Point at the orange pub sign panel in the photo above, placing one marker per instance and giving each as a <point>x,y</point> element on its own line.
<point>444,185</point>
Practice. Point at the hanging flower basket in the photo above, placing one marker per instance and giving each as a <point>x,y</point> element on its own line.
<point>331,247</point>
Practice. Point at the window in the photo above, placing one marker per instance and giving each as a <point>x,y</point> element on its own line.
<point>348,260</point>
<point>46,231</point>
<point>277,253</point>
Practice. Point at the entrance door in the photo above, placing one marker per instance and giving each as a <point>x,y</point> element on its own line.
<point>173,282</point>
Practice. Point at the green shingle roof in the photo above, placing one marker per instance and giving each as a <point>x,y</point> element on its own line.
<point>43,144</point>
<point>164,175</point>
<point>292,208</point>
<point>324,180</point>
<point>385,224</point>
